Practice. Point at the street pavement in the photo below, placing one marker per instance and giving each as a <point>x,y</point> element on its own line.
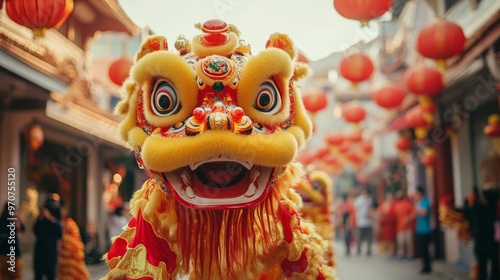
<point>375,267</point>
<point>379,267</point>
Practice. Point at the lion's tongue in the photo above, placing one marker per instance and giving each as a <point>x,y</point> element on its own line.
<point>220,180</point>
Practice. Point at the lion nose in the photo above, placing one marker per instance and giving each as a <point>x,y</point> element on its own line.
<point>219,118</point>
<point>218,121</point>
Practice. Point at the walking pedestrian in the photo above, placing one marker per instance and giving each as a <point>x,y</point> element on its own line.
<point>484,215</point>
<point>404,225</point>
<point>387,226</point>
<point>48,231</point>
<point>423,228</point>
<point>364,220</point>
<point>348,216</point>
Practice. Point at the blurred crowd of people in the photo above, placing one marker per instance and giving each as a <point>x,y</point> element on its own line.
<point>59,251</point>
<point>402,227</point>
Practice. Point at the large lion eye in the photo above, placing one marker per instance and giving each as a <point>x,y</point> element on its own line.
<point>164,100</point>
<point>268,99</point>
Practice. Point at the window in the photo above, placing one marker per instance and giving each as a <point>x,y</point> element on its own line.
<point>449,3</point>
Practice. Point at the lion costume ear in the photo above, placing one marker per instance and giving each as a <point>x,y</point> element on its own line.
<point>283,42</point>
<point>152,44</point>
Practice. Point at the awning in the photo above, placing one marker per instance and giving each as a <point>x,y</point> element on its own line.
<point>396,124</point>
<point>85,120</point>
<point>31,74</point>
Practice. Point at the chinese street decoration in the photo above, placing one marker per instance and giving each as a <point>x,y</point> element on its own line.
<point>39,15</point>
<point>356,68</point>
<point>362,10</point>
<point>440,41</point>
<point>119,70</point>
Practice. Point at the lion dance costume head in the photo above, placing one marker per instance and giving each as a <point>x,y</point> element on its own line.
<point>316,192</point>
<point>216,129</point>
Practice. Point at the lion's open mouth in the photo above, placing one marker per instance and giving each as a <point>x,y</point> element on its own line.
<point>219,183</point>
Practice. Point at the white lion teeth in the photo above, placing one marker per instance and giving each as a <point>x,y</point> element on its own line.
<point>186,178</point>
<point>190,192</point>
<point>219,158</point>
<point>251,190</point>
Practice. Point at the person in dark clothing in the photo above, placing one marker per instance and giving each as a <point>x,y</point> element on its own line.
<point>48,231</point>
<point>486,249</point>
<point>348,216</point>
<point>11,262</point>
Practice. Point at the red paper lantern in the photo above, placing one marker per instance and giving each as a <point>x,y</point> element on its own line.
<point>344,147</point>
<point>429,158</point>
<point>119,70</point>
<point>424,80</point>
<point>306,158</point>
<point>34,137</point>
<point>441,40</point>
<point>315,102</point>
<point>492,129</point>
<point>302,58</point>
<point>389,97</point>
<point>331,160</point>
<point>322,152</point>
<point>353,112</point>
<point>354,158</point>
<point>334,138</point>
<point>362,10</point>
<point>38,15</point>
<point>354,137</point>
<point>356,68</point>
<point>404,144</point>
<point>366,147</point>
<point>415,117</point>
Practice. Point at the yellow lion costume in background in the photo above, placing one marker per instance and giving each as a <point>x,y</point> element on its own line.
<point>216,129</point>
<point>317,198</point>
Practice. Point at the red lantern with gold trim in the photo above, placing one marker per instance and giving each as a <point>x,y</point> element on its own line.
<point>415,117</point>
<point>354,158</point>
<point>315,102</point>
<point>34,137</point>
<point>404,143</point>
<point>120,69</point>
<point>366,147</point>
<point>441,40</point>
<point>302,58</point>
<point>353,112</point>
<point>389,97</point>
<point>354,136</point>
<point>306,158</point>
<point>429,158</point>
<point>38,15</point>
<point>362,10</point>
<point>423,80</point>
<point>492,129</point>
<point>334,138</point>
<point>356,68</point>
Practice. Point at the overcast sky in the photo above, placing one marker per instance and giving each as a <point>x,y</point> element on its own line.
<point>314,25</point>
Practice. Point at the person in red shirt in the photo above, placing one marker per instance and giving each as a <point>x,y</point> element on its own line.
<point>387,226</point>
<point>347,214</point>
<point>404,213</point>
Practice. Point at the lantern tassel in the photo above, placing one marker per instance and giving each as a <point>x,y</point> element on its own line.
<point>441,65</point>
<point>38,32</point>
<point>496,146</point>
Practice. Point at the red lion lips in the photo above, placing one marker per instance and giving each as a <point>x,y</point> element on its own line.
<point>219,183</point>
